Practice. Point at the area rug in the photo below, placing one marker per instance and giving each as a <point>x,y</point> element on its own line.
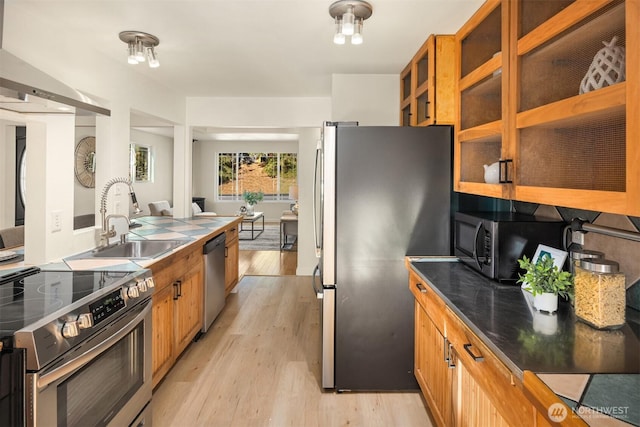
<point>269,240</point>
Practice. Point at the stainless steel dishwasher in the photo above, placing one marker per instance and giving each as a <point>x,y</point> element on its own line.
<point>213,252</point>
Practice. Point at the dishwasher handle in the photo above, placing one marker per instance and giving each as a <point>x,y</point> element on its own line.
<point>212,244</point>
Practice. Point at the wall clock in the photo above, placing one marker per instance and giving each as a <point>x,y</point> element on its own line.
<point>85,165</point>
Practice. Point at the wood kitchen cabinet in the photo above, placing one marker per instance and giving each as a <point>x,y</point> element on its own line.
<point>231,257</point>
<point>524,105</point>
<point>188,306</point>
<point>427,84</point>
<point>462,381</point>
<point>482,70</point>
<point>177,307</point>
<point>431,365</point>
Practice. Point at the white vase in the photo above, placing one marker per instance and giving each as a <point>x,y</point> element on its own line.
<point>492,173</point>
<point>250,210</point>
<point>546,302</point>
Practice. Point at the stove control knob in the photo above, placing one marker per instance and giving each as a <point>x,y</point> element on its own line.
<point>70,329</point>
<point>150,282</point>
<point>133,292</point>
<point>142,285</point>
<point>85,320</point>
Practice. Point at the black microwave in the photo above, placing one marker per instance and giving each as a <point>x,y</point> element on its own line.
<point>492,242</point>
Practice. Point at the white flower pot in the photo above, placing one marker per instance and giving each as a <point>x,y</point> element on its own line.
<point>546,302</point>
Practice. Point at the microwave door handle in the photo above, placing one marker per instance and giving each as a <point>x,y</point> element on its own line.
<point>475,245</point>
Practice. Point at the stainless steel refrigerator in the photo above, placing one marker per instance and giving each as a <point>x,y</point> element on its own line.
<point>380,193</point>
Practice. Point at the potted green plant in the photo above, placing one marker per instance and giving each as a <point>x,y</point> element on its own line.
<point>252,198</point>
<point>546,282</point>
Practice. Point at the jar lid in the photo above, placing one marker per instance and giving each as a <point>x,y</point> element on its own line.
<point>598,265</point>
<point>585,253</point>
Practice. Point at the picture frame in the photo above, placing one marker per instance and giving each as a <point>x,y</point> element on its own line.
<point>559,257</point>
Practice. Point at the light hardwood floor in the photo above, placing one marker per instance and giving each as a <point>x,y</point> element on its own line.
<point>268,263</point>
<point>259,366</point>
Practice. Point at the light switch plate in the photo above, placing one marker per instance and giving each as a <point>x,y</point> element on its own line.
<point>56,221</point>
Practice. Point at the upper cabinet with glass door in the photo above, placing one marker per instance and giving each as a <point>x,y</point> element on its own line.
<point>482,70</point>
<point>427,84</point>
<point>576,93</point>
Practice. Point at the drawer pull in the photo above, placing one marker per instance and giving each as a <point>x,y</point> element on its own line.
<point>467,348</point>
<point>421,288</point>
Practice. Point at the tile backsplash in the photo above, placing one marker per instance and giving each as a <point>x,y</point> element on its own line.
<point>623,251</point>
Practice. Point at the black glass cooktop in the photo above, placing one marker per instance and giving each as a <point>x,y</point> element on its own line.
<point>25,299</point>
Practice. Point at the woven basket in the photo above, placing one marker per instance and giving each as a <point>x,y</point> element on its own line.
<point>607,68</point>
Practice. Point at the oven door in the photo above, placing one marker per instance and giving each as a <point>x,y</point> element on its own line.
<point>106,380</point>
<point>12,371</point>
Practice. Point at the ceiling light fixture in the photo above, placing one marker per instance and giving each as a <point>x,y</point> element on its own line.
<point>141,47</point>
<point>349,16</point>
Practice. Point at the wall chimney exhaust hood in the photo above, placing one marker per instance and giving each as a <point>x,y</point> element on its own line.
<point>25,89</point>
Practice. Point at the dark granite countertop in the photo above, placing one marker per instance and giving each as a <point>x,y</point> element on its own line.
<point>524,339</point>
<point>594,372</point>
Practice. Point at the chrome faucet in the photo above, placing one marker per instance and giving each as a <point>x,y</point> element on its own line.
<point>107,232</point>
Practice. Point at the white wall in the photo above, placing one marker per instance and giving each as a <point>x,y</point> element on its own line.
<point>161,187</point>
<point>370,99</point>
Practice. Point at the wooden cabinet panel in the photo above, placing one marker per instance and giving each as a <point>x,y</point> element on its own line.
<point>428,299</point>
<point>232,255</point>
<point>474,407</point>
<point>496,390</point>
<point>427,84</point>
<point>177,307</point>
<point>431,368</point>
<point>162,340</point>
<point>188,308</point>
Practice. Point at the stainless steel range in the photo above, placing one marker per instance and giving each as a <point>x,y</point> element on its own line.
<point>81,341</point>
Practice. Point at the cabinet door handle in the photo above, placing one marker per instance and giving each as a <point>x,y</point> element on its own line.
<point>426,110</point>
<point>179,287</point>
<point>504,171</point>
<point>226,252</point>
<point>421,288</point>
<point>176,294</point>
<point>467,348</point>
<point>450,363</point>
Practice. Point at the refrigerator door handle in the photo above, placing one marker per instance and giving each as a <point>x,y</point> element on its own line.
<point>318,290</point>
<point>316,233</point>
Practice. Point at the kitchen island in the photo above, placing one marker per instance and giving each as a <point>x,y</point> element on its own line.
<point>594,373</point>
<point>177,300</point>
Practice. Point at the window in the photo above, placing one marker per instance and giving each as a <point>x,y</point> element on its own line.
<point>141,163</point>
<point>271,173</point>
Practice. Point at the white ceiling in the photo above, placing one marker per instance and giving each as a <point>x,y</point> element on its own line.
<point>239,48</point>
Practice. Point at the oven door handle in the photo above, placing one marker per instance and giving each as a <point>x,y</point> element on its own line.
<point>78,362</point>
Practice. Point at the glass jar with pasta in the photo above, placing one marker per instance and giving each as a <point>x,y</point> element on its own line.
<point>600,298</point>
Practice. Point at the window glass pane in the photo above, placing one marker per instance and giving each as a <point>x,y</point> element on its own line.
<point>269,173</point>
<point>227,176</point>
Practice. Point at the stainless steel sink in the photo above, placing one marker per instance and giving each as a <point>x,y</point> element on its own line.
<point>138,249</point>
